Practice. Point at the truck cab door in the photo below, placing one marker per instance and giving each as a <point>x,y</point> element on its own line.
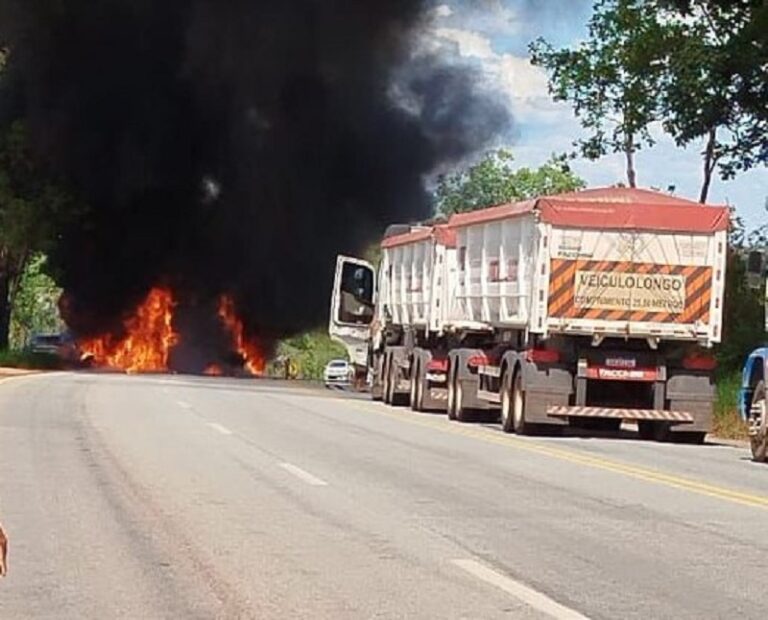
<point>353,307</point>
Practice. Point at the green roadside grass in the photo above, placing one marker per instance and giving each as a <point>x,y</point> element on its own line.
<point>308,354</point>
<point>728,423</point>
<point>27,360</point>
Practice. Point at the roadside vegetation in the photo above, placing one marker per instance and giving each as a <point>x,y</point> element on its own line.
<point>28,360</point>
<point>35,307</point>
<point>34,310</point>
<point>728,422</point>
<point>743,325</point>
<point>305,356</point>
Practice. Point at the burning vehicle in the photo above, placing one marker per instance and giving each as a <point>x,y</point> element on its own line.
<point>149,337</point>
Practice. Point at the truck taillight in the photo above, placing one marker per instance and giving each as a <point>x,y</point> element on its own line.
<point>699,361</point>
<point>542,356</point>
<point>477,360</point>
<point>438,365</point>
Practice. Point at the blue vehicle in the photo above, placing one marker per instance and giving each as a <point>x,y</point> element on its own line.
<point>754,379</point>
<point>752,401</point>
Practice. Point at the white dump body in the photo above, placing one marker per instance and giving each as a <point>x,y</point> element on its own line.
<point>412,278</point>
<point>496,268</point>
<point>641,264</point>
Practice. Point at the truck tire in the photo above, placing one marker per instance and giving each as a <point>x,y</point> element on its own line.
<point>758,424</point>
<point>395,360</point>
<point>422,387</point>
<point>611,425</point>
<point>456,409</point>
<point>395,399</point>
<point>463,414</point>
<point>507,417</point>
<point>377,387</point>
<point>690,437</point>
<point>653,431</point>
<point>416,398</point>
<point>645,430</point>
<point>451,408</point>
<point>518,407</point>
<point>385,379</point>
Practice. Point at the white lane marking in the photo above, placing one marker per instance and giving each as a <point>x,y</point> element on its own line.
<point>183,404</point>
<point>303,475</point>
<point>529,596</point>
<point>218,427</point>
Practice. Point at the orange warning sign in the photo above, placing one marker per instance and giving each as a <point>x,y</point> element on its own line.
<point>626,291</point>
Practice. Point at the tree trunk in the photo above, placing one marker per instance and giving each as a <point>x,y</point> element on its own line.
<point>710,160</point>
<point>629,151</point>
<point>5,311</point>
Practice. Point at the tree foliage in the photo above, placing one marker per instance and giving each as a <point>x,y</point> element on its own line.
<point>697,68</point>
<point>743,316</point>
<point>493,180</point>
<point>308,353</point>
<point>35,307</point>
<point>612,78</point>
<point>743,310</point>
<point>34,208</point>
<point>726,77</point>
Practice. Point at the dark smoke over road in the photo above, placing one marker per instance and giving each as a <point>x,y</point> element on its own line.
<point>232,145</point>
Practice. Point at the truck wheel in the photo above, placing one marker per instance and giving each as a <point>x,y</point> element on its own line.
<point>452,392</point>
<point>421,385</point>
<point>507,416</point>
<point>463,414</point>
<point>377,383</point>
<point>518,407</point>
<point>653,431</point>
<point>414,383</point>
<point>395,399</point>
<point>690,437</point>
<point>387,379</point>
<point>645,430</point>
<point>758,424</point>
<point>612,425</point>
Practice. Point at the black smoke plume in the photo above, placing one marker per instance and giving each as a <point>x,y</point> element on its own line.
<point>232,145</point>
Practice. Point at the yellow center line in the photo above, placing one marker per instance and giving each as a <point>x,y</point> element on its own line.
<point>633,471</point>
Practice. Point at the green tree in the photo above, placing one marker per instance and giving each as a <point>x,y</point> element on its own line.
<point>743,310</point>
<point>310,352</point>
<point>715,87</point>
<point>697,67</point>
<point>35,307</point>
<point>32,212</point>
<point>612,79</point>
<point>727,79</point>
<point>493,180</point>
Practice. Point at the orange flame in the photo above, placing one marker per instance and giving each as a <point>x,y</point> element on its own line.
<point>253,359</point>
<point>148,340</point>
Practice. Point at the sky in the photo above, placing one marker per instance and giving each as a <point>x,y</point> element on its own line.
<point>492,36</point>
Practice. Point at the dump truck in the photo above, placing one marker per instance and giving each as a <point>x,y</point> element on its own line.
<point>753,397</point>
<point>587,309</point>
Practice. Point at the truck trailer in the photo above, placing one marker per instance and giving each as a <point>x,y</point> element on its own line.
<point>584,309</point>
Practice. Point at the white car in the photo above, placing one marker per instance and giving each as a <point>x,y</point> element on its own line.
<point>338,372</point>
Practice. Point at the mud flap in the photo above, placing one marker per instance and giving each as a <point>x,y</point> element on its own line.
<point>693,393</point>
<point>545,387</point>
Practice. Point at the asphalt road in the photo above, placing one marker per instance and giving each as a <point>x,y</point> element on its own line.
<point>173,497</point>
